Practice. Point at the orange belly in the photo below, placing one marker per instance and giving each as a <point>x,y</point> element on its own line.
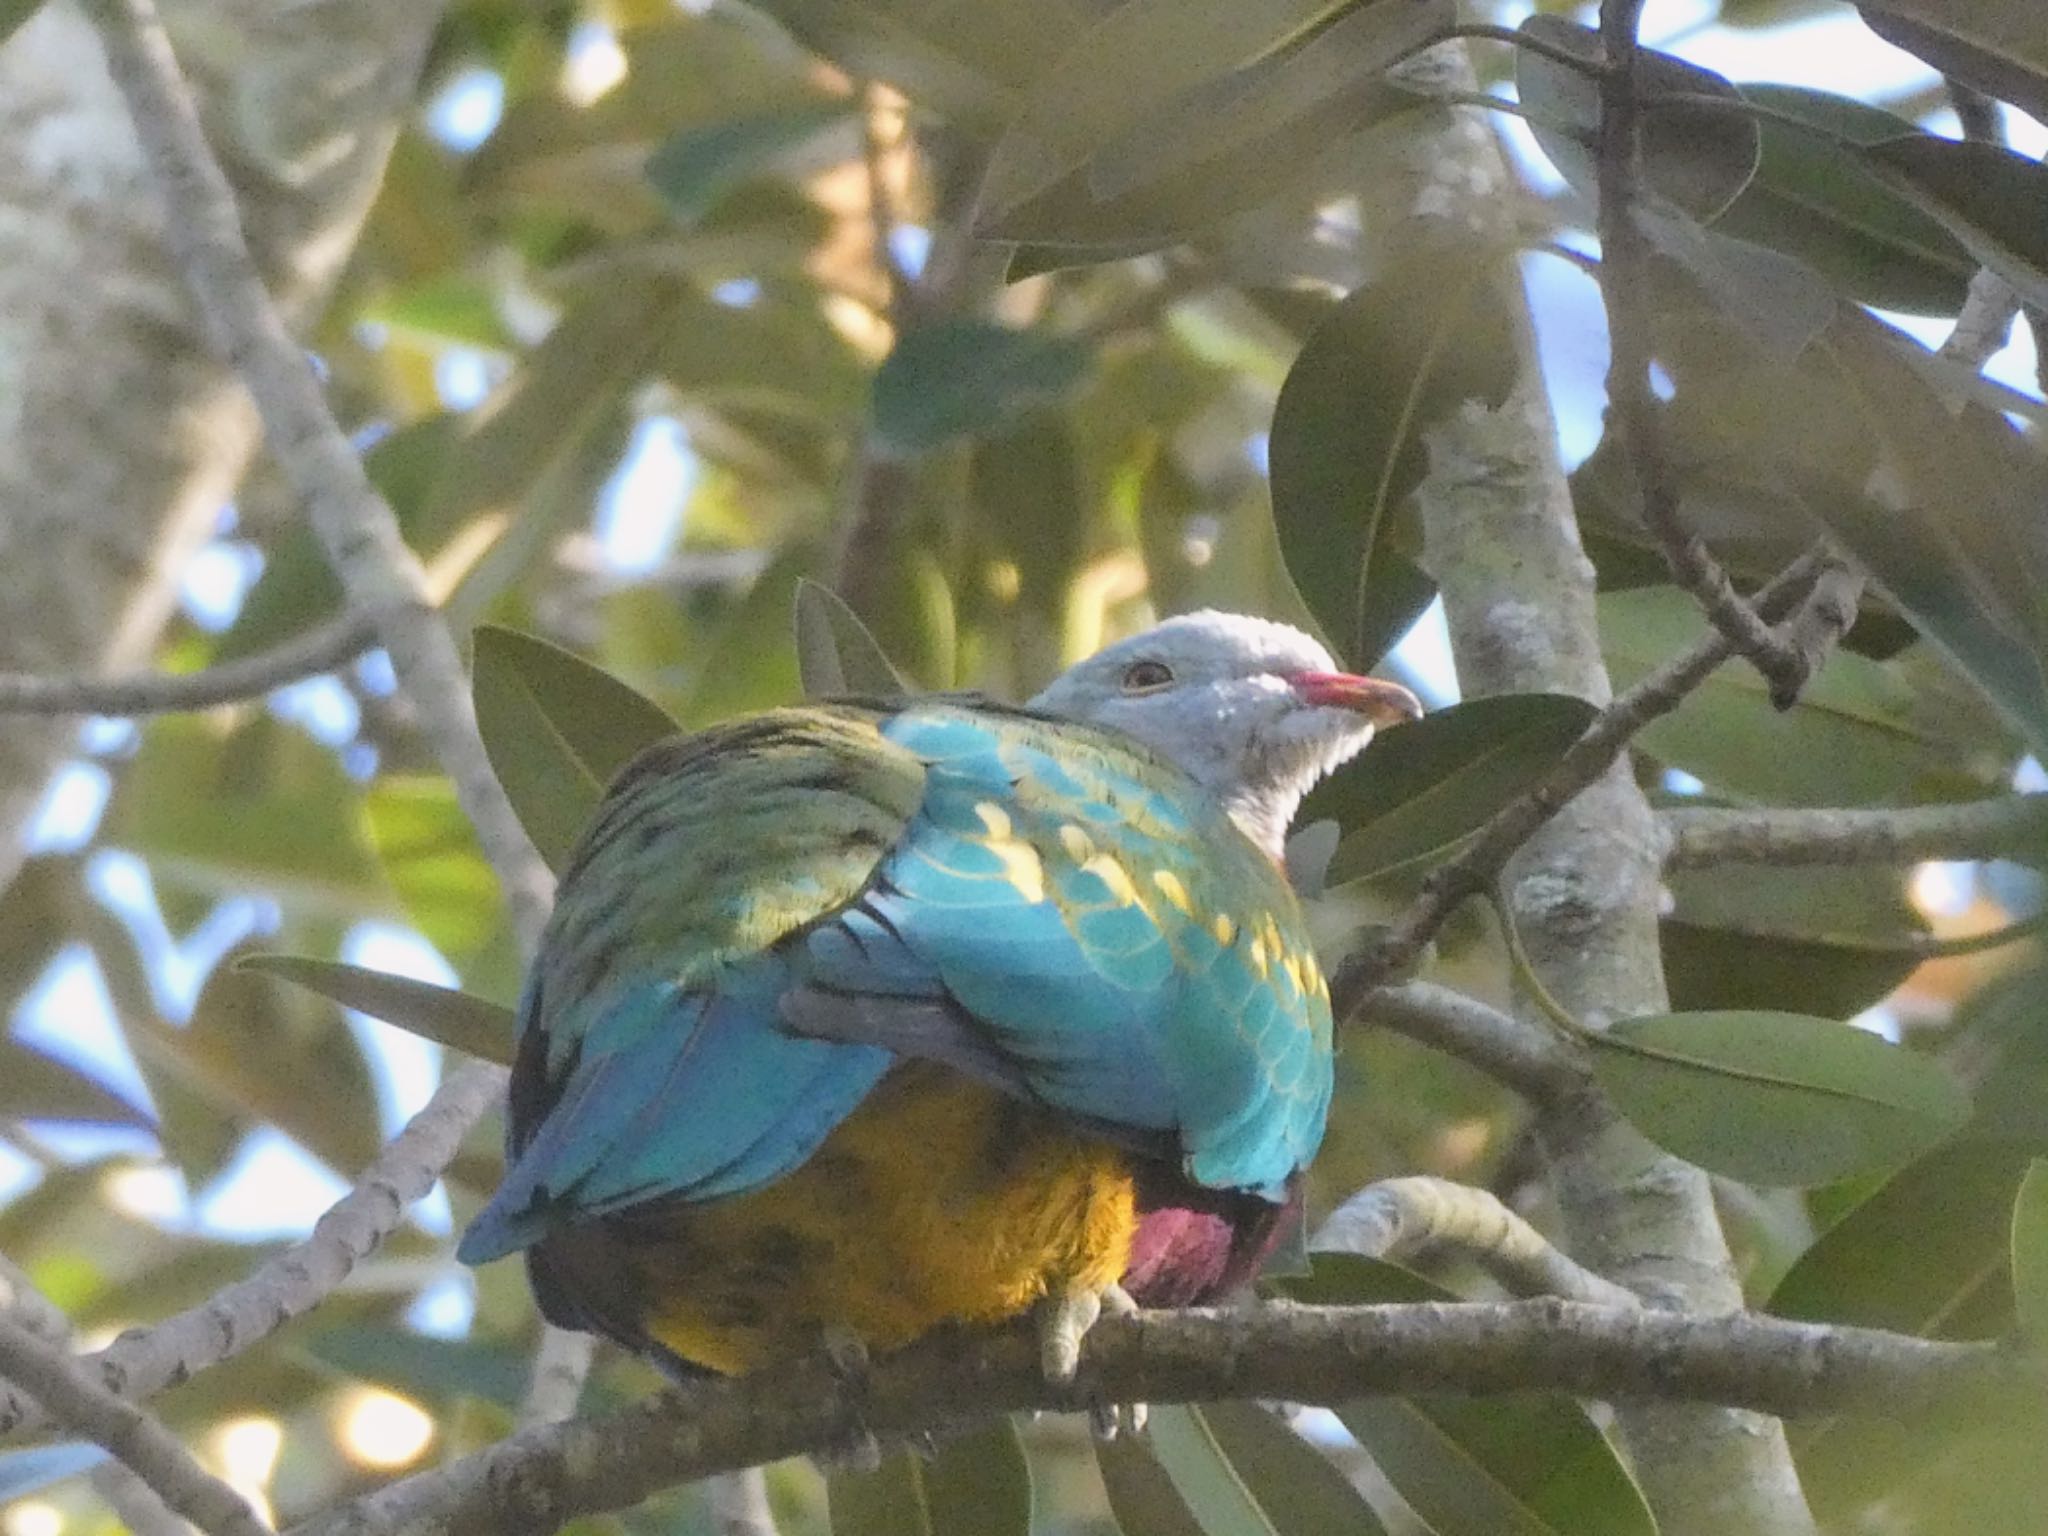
<point>937,1201</point>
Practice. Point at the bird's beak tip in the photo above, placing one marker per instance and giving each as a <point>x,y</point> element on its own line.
<point>1381,702</point>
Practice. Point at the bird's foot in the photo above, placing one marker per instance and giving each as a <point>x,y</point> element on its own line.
<point>1062,1325</point>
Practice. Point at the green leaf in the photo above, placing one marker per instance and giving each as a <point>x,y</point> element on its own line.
<point>1775,1098</point>
<point>1858,735</point>
<point>226,807</point>
<point>1142,1498</point>
<point>1209,1485</point>
<point>697,165</point>
<point>456,1019</point>
<point>1300,1489</point>
<point>1996,45</point>
<point>1812,200</point>
<point>1830,942</point>
<point>1136,59</point>
<point>1992,199</point>
<point>1697,158</point>
<point>1420,789</point>
<point>558,730</point>
<point>966,378</point>
<point>2030,1251</point>
<point>431,857</point>
<point>38,1086</point>
<point>977,1484</point>
<point>421,1366</point>
<point>1534,1464</point>
<point>24,1472</point>
<point>1394,360</point>
<point>835,653</point>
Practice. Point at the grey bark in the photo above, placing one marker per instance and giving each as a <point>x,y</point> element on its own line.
<point>121,434</point>
<point>1501,540</point>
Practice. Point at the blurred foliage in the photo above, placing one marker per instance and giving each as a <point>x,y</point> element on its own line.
<point>989,319</point>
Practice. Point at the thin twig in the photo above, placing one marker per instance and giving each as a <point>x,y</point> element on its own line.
<point>145,1361</point>
<point>1473,870</point>
<point>130,1434</point>
<point>2015,827</point>
<point>384,581</point>
<point>1518,1055</point>
<point>323,649</point>
<point>1984,322</point>
<point>1403,1220</point>
<point>537,1480</point>
<point>1625,261</point>
<point>560,1364</point>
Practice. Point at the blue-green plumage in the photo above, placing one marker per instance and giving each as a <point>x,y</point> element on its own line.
<point>1040,904</point>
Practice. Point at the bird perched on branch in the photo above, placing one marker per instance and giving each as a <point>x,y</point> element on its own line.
<point>867,1018</point>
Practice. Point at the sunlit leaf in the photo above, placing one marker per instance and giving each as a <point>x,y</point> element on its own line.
<point>456,1019</point>
<point>1422,787</point>
<point>1775,1098</point>
<point>835,652</point>
<point>1395,359</point>
<point>557,730</point>
<point>962,378</point>
<point>976,1484</point>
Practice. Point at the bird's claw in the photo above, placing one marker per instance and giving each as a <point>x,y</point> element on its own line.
<point>1062,1326</point>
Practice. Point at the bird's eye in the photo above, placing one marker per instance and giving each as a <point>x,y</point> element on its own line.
<point>1146,676</point>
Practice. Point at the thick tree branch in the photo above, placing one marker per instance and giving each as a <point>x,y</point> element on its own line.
<point>1418,1218</point>
<point>319,650</point>
<point>1522,1056</point>
<point>1625,259</point>
<point>133,1436</point>
<point>539,1479</point>
<point>384,581</point>
<point>2015,827</point>
<point>1475,867</point>
<point>145,1361</point>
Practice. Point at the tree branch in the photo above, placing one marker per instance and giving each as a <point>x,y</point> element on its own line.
<point>2015,827</point>
<point>1479,863</point>
<point>383,580</point>
<point>539,1479</point>
<point>1625,258</point>
<point>130,1434</point>
<point>331,645</point>
<point>560,1365</point>
<point>1519,1055</point>
<point>145,1361</point>
<point>1414,1218</point>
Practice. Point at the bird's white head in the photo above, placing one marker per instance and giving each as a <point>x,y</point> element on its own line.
<point>1255,712</point>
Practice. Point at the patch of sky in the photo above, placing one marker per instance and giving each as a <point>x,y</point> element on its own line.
<point>359,760</point>
<point>72,804</point>
<point>375,673</point>
<point>18,1172</point>
<point>68,1014</point>
<point>405,1068</point>
<point>1259,449</point>
<point>1422,657</point>
<point>640,510</point>
<point>270,1189</point>
<point>911,247</point>
<point>736,292</point>
<point>177,968</point>
<point>462,378</point>
<point>1571,347</point>
<point>594,64</point>
<point>1679,782</point>
<point>444,1309</point>
<point>467,109</point>
<point>109,736</point>
<point>321,707</point>
<point>216,580</point>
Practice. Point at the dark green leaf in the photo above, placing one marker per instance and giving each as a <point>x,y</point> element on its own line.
<point>697,165</point>
<point>976,1484</point>
<point>1996,45</point>
<point>963,378</point>
<point>1857,736</point>
<point>1778,302</point>
<point>37,1086</point>
<point>456,1019</point>
<point>558,730</point>
<point>835,653</point>
<point>24,1472</point>
<point>1775,1098</point>
<point>1829,942</point>
<point>1301,1491</point>
<point>2030,1251</point>
<point>1697,158</point>
<point>1811,200</point>
<point>1530,1464</point>
<point>1210,1487</point>
<point>1419,789</point>
<point>1137,58</point>
<point>423,1367</point>
<point>1394,360</point>
<point>1141,1496</point>
<point>1991,199</point>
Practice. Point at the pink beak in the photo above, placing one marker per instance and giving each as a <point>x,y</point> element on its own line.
<point>1381,702</point>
